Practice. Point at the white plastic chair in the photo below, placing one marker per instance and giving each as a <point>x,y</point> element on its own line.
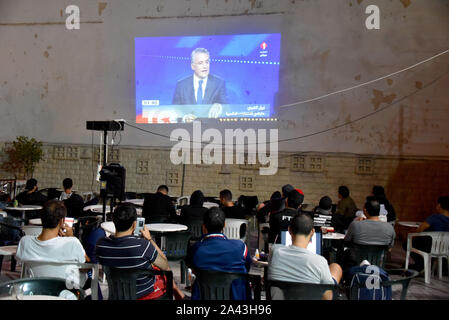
<point>32,230</point>
<point>182,201</point>
<point>209,205</point>
<point>232,229</point>
<point>34,269</point>
<point>439,249</point>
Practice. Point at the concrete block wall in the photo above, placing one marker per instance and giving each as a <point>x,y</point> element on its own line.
<point>412,184</point>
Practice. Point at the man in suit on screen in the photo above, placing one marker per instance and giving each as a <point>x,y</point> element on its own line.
<point>201,87</point>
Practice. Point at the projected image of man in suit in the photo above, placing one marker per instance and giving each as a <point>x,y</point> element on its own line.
<point>202,87</point>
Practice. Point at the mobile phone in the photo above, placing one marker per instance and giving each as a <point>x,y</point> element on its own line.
<point>69,221</point>
<point>139,226</point>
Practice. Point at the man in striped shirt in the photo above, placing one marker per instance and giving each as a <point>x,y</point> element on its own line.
<point>125,250</point>
<point>216,252</point>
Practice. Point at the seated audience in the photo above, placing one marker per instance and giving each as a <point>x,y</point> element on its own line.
<point>280,221</point>
<point>216,252</point>
<point>436,222</point>
<point>56,243</point>
<point>295,263</point>
<point>265,209</point>
<point>194,210</point>
<point>125,250</point>
<point>30,196</point>
<point>324,207</point>
<point>370,231</point>
<point>159,205</point>
<point>345,211</point>
<point>72,201</point>
<point>286,189</point>
<point>95,200</point>
<point>230,210</point>
<point>91,232</point>
<point>379,193</point>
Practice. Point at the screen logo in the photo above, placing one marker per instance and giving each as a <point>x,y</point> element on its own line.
<point>263,52</point>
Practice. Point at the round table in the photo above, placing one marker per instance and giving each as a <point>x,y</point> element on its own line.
<point>405,227</point>
<point>35,222</point>
<point>99,209</point>
<point>8,250</point>
<point>333,236</point>
<point>137,202</point>
<point>24,209</point>
<point>109,227</point>
<point>408,224</point>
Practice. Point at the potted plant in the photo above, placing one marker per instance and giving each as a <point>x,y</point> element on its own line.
<point>23,156</point>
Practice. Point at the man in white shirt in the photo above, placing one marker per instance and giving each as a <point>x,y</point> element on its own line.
<point>67,183</point>
<point>56,243</point>
<point>295,263</point>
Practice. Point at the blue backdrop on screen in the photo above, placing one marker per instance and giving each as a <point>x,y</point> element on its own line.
<point>248,63</point>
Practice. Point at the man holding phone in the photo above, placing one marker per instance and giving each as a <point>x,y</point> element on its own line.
<point>56,243</point>
<point>126,250</point>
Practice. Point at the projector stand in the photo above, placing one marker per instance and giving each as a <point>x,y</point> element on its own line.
<point>105,126</point>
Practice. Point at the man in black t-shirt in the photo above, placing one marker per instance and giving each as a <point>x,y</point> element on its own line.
<point>30,196</point>
<point>280,221</point>
<point>159,206</point>
<point>227,206</point>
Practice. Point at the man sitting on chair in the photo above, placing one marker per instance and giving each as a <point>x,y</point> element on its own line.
<point>125,250</point>
<point>216,252</point>
<point>159,206</point>
<point>295,263</point>
<point>56,243</point>
<point>230,210</point>
<point>370,231</point>
<point>72,201</point>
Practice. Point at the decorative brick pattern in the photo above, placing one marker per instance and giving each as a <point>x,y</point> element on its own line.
<point>173,178</point>
<point>246,183</point>
<point>365,166</point>
<point>298,163</point>
<point>59,152</point>
<point>72,153</point>
<point>143,167</point>
<point>149,168</point>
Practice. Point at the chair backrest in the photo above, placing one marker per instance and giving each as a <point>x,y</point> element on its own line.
<point>374,254</point>
<point>182,201</point>
<point>130,195</point>
<point>236,229</point>
<point>195,229</point>
<point>38,269</point>
<point>283,290</point>
<point>176,244</point>
<point>440,242</point>
<point>405,277</point>
<point>38,286</point>
<point>122,282</point>
<point>217,285</point>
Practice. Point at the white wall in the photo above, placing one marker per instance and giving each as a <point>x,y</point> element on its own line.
<point>53,80</point>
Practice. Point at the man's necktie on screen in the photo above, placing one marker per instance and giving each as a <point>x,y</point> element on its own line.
<point>199,93</point>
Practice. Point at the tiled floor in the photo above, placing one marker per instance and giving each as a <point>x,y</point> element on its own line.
<point>418,290</point>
